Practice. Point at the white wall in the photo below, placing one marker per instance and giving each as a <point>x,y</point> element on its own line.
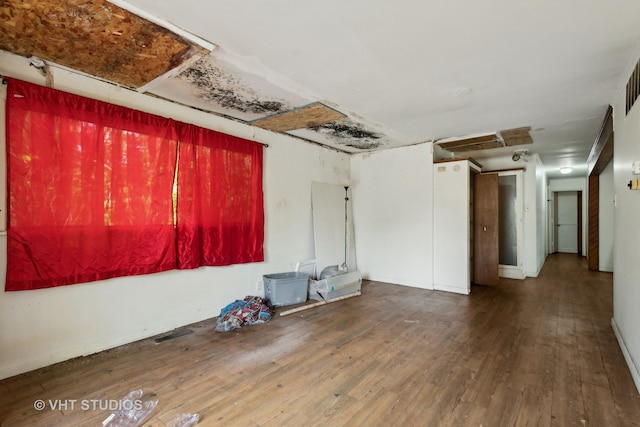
<point>626,262</point>
<point>533,268</point>
<point>573,184</point>
<point>393,214</point>
<point>451,226</point>
<point>605,221</point>
<point>46,326</point>
<point>534,227</point>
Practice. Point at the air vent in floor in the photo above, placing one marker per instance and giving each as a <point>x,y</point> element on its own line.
<point>174,335</point>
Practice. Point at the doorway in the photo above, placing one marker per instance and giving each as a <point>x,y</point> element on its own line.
<point>567,233</point>
<point>498,226</point>
<point>510,232</point>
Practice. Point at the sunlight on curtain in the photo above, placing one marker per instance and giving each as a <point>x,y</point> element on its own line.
<point>92,192</point>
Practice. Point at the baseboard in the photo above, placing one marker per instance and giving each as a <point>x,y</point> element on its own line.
<point>627,356</point>
<point>537,272</point>
<point>511,273</point>
<point>453,289</point>
<point>541,265</point>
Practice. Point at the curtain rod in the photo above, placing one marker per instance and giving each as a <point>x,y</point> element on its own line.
<point>264,144</point>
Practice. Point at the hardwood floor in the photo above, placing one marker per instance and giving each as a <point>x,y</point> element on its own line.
<point>538,352</point>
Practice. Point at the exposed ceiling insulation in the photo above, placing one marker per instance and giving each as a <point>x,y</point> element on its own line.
<point>92,36</point>
<point>311,115</point>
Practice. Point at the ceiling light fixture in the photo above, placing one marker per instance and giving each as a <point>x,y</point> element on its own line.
<point>520,154</point>
<point>566,170</point>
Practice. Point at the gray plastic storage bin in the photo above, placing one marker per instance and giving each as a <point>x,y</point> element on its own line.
<point>286,288</point>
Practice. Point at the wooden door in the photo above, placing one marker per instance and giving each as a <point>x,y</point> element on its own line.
<point>485,231</point>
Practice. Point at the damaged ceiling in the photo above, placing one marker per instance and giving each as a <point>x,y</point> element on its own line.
<point>357,76</point>
<point>95,37</point>
<point>102,39</point>
<point>504,138</point>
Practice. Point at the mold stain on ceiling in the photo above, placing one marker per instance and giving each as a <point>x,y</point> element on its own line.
<point>351,134</point>
<point>348,135</point>
<point>219,83</point>
<point>213,83</point>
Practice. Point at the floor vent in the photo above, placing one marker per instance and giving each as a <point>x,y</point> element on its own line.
<point>173,336</point>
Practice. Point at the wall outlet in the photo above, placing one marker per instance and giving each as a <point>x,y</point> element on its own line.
<point>259,286</point>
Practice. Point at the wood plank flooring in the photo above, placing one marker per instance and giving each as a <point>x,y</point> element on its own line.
<point>538,352</point>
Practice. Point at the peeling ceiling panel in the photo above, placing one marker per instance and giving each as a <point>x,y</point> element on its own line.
<point>484,142</point>
<point>94,37</point>
<point>518,136</point>
<point>311,115</point>
<point>215,84</point>
<point>347,135</point>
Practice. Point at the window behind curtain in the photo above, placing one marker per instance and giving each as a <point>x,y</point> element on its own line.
<point>91,192</point>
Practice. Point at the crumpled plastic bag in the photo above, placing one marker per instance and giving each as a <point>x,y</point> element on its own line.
<point>133,411</point>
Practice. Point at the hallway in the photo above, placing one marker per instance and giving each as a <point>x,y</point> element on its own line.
<point>560,329</point>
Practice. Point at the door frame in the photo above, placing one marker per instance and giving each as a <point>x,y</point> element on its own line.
<point>560,185</point>
<point>516,271</point>
<point>579,224</point>
<point>599,157</point>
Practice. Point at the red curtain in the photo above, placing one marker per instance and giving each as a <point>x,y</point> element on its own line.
<point>220,219</point>
<point>91,192</point>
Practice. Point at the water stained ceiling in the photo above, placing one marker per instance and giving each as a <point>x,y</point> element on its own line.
<point>358,76</point>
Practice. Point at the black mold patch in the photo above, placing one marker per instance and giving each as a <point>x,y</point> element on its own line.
<point>365,145</point>
<point>217,85</point>
<point>352,135</point>
<point>343,131</point>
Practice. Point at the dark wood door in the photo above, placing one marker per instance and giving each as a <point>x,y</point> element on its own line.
<point>485,231</point>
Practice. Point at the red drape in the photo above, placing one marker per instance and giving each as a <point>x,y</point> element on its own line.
<point>220,205</point>
<point>91,192</point>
